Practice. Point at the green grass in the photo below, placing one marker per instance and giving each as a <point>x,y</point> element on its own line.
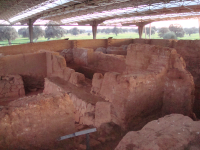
<point>21,40</point>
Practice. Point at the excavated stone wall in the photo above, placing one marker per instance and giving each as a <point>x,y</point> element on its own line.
<point>83,112</point>
<point>24,64</point>
<point>190,51</point>
<point>35,122</point>
<point>11,86</point>
<point>108,62</point>
<point>87,113</point>
<point>155,78</point>
<point>32,68</point>
<point>98,59</point>
<point>148,79</point>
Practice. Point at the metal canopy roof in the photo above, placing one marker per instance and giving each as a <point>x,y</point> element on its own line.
<point>65,12</point>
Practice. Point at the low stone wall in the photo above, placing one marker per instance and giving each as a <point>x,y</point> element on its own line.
<point>122,50</point>
<point>85,112</point>
<point>36,122</point>
<point>83,56</point>
<point>108,62</point>
<point>11,86</point>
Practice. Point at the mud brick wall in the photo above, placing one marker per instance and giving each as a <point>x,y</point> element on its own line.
<point>11,86</point>
<point>32,68</point>
<point>108,62</point>
<point>55,45</point>
<point>24,64</point>
<point>59,45</point>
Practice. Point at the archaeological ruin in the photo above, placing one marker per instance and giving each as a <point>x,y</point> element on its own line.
<point>118,86</point>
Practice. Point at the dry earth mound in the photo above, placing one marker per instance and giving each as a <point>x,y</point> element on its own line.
<point>174,132</point>
<point>36,122</point>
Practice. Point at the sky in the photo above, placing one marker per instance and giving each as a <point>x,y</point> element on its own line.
<point>185,23</point>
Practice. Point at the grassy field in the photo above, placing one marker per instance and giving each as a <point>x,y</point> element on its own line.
<point>99,36</point>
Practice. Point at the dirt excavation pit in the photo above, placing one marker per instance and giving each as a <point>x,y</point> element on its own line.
<point>117,90</point>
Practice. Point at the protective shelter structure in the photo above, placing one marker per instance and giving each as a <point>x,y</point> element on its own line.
<point>95,12</point>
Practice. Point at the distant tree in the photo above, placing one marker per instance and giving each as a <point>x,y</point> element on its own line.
<point>98,30</point>
<point>82,31</point>
<point>169,35</point>
<point>162,31</point>
<point>88,34</point>
<point>1,34</point>
<point>133,30</point>
<point>108,30</point>
<point>191,30</point>
<point>121,30</point>
<point>103,30</point>
<point>66,31</point>
<point>124,30</point>
<point>74,31</point>
<point>37,32</point>
<point>115,30</point>
<point>8,33</point>
<point>52,31</point>
<point>177,29</point>
<point>23,32</point>
<point>153,30</point>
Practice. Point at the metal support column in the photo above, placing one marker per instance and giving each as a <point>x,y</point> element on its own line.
<point>30,24</point>
<point>150,31</point>
<point>199,27</point>
<point>87,141</point>
<point>140,30</point>
<point>94,29</point>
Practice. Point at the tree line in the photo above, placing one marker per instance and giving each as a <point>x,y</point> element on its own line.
<point>55,31</point>
<point>51,31</point>
<point>172,32</point>
<point>116,30</point>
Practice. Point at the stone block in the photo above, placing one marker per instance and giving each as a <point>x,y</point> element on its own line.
<point>109,62</point>
<point>11,85</point>
<point>87,119</point>
<point>67,54</point>
<point>83,56</point>
<point>116,50</point>
<point>96,83</point>
<point>90,108</point>
<point>11,95</point>
<point>102,113</point>
<point>67,73</point>
<point>77,117</point>
<point>77,78</point>
<point>21,92</point>
<point>101,49</point>
<point>58,63</point>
